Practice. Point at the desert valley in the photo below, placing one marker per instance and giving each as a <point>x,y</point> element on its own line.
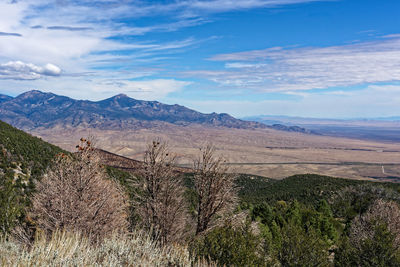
<point>250,147</point>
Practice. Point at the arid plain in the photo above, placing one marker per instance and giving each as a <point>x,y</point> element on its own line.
<point>265,152</point>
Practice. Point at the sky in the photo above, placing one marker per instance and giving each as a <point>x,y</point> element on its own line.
<point>309,58</point>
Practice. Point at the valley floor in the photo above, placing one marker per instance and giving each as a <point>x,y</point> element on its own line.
<point>264,152</point>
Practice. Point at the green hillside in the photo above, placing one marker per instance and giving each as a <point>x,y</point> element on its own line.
<point>24,152</point>
<point>23,159</point>
<point>305,188</point>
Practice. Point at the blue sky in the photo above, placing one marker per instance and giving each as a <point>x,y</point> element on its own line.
<point>333,58</point>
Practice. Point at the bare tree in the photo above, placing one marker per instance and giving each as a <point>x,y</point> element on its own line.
<point>75,194</point>
<point>162,208</point>
<point>214,186</point>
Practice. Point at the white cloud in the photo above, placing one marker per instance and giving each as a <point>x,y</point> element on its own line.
<point>11,14</point>
<point>18,70</point>
<point>278,69</point>
<point>239,65</point>
<point>74,35</point>
<point>51,70</point>
<point>52,30</point>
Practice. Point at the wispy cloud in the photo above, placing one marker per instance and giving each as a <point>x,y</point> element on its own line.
<point>96,43</point>
<point>197,8</point>
<point>228,5</point>
<point>10,34</point>
<point>288,69</point>
<point>82,37</point>
<point>69,28</point>
<point>182,8</point>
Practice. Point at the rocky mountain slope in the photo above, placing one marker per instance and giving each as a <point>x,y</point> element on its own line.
<point>35,109</point>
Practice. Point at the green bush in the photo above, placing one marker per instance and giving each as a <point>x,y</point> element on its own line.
<point>230,246</point>
<point>301,248</point>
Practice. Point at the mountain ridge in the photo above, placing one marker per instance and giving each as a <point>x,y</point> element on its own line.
<point>35,109</point>
<point>4,98</point>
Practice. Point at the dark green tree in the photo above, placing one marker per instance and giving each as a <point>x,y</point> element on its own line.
<point>12,204</point>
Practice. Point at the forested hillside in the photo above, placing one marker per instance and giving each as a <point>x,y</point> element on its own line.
<point>306,188</point>
<point>23,159</point>
<point>23,153</point>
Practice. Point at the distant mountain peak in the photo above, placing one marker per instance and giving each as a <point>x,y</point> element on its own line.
<point>120,96</point>
<point>33,93</point>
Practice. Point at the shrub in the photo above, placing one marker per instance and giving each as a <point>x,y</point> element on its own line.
<point>301,248</point>
<point>230,246</point>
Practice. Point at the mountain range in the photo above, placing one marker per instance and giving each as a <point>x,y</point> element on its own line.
<point>123,126</point>
<point>36,109</point>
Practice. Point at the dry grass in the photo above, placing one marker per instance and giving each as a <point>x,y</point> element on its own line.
<point>72,249</point>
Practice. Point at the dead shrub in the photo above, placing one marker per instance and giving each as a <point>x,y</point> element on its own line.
<point>162,207</point>
<point>214,187</point>
<point>76,195</point>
